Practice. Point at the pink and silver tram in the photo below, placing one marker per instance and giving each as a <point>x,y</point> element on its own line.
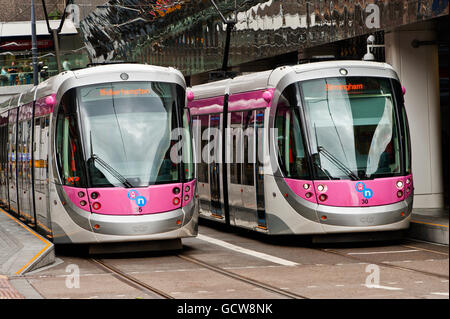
<point>324,149</point>
<point>85,156</point>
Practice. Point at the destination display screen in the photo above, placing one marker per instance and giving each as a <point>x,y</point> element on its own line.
<point>128,90</point>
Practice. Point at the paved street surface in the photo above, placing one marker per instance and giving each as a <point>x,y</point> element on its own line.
<point>225,264</point>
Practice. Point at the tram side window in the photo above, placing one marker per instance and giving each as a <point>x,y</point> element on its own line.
<point>404,124</point>
<point>291,151</point>
<point>188,160</point>
<point>68,150</point>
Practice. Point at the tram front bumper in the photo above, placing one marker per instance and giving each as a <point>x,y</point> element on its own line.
<point>386,217</point>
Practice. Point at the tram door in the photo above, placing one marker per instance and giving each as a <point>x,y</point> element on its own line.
<point>234,157</point>
<point>259,169</point>
<point>204,192</point>
<point>4,196</point>
<point>246,212</point>
<point>24,168</point>
<point>215,166</point>
<point>40,154</point>
<point>12,159</point>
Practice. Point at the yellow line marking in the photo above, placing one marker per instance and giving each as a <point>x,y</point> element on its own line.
<point>35,234</point>
<point>418,222</point>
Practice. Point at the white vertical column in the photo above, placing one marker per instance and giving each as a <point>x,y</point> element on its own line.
<point>419,74</point>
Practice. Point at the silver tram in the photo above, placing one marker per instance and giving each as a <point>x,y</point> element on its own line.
<point>318,148</point>
<point>85,156</point>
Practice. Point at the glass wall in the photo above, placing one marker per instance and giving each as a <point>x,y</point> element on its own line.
<point>16,65</point>
<point>190,35</point>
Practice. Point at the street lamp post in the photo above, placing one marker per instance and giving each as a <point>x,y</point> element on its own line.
<point>34,52</point>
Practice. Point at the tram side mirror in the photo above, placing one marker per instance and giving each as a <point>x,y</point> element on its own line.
<point>267,96</point>
<point>50,100</point>
<point>190,96</point>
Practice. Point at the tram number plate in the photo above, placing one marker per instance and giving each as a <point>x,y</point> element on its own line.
<point>365,201</point>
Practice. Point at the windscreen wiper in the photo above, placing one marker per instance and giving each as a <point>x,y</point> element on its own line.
<point>112,171</point>
<point>108,167</point>
<point>337,162</point>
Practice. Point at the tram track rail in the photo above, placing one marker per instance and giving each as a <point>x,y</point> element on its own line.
<point>136,283</point>
<point>152,291</point>
<point>241,278</point>
<point>130,280</point>
<point>414,246</point>
<point>383,264</point>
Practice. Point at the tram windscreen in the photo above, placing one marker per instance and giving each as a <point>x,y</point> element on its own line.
<point>127,132</point>
<point>352,127</point>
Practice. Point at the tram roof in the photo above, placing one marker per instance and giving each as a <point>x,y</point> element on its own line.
<point>95,74</point>
<point>269,79</point>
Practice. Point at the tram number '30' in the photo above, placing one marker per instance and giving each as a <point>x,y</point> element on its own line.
<point>365,201</point>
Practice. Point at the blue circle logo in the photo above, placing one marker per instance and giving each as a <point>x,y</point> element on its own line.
<point>366,192</point>
<point>133,194</point>
<point>141,201</point>
<point>360,187</point>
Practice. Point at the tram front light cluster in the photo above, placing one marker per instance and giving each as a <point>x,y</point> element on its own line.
<point>399,194</point>
<point>96,206</point>
<point>399,184</point>
<point>94,195</point>
<point>176,201</point>
<point>323,197</point>
<point>82,201</point>
<point>308,195</point>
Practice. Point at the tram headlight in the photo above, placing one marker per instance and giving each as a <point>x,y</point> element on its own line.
<point>399,184</point>
<point>176,190</point>
<point>81,194</point>
<point>399,194</point>
<point>306,186</point>
<point>308,195</point>
<point>96,206</point>
<point>176,201</point>
<point>408,181</point>
<point>323,197</point>
<point>94,195</point>
<point>320,188</point>
<point>187,189</point>
<point>83,203</point>
<point>186,198</point>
